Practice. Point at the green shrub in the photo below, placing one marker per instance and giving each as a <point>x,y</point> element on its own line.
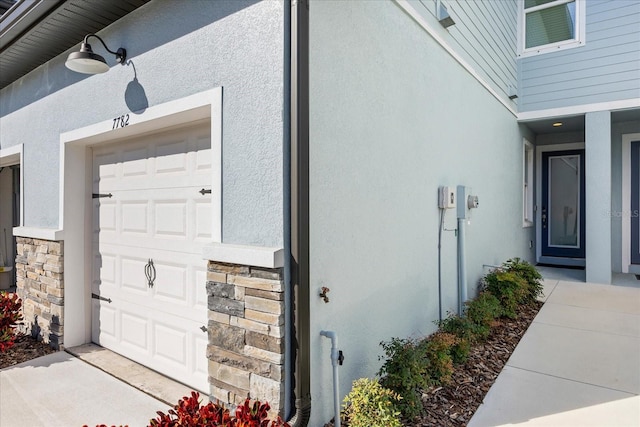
<point>371,405</point>
<point>462,327</point>
<point>481,312</point>
<point>467,333</point>
<point>439,347</point>
<point>509,288</point>
<point>529,273</point>
<point>405,371</point>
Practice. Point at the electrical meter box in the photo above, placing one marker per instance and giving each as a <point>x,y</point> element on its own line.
<point>468,201</point>
<point>446,197</point>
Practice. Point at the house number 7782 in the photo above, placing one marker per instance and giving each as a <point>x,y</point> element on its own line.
<point>120,122</point>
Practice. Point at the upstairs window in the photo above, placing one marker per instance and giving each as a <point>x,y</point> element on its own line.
<point>550,25</point>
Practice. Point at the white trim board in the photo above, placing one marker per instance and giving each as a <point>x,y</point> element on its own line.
<point>578,110</point>
<point>539,150</point>
<point>245,255</point>
<point>15,156</point>
<point>409,9</point>
<point>75,210</point>
<point>626,199</point>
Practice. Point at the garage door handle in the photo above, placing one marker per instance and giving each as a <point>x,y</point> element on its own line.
<point>150,272</point>
<point>203,191</point>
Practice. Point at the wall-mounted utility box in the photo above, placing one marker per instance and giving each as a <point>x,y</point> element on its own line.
<point>446,197</point>
<point>467,201</point>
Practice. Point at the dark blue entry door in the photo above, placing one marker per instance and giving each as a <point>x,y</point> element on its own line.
<point>635,202</point>
<point>562,210</point>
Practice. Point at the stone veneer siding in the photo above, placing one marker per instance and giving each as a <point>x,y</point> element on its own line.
<point>40,285</point>
<point>246,334</point>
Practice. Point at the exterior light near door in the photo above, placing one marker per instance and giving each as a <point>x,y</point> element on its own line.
<point>87,62</point>
<point>557,124</point>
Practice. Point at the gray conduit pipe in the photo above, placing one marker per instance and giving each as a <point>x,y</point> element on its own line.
<point>462,267</point>
<point>335,354</point>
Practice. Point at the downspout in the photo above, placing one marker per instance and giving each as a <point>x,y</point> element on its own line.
<point>299,296</point>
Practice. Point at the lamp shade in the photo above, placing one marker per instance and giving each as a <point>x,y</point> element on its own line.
<point>86,61</point>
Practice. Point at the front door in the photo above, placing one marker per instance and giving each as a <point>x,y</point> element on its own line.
<point>635,202</point>
<point>562,210</point>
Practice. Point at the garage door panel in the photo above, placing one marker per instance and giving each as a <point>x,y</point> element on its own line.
<point>178,287</point>
<point>135,162</point>
<point>201,297</point>
<point>132,275</point>
<point>104,270</point>
<point>134,217</point>
<point>106,322</point>
<point>171,283</point>
<point>171,159</point>
<point>203,220</point>
<point>133,330</point>
<point>106,219</point>
<point>156,212</point>
<point>170,343</point>
<point>170,219</point>
<point>200,364</point>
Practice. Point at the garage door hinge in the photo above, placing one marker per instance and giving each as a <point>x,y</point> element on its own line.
<point>96,296</point>
<point>203,328</point>
<point>203,191</point>
<point>100,196</point>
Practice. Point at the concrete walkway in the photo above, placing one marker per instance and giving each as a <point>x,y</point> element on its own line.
<point>60,390</point>
<point>578,364</point>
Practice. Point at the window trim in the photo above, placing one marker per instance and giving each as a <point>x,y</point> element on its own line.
<point>528,184</point>
<point>580,32</point>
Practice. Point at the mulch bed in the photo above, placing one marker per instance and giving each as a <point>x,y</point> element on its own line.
<point>25,348</point>
<point>453,405</point>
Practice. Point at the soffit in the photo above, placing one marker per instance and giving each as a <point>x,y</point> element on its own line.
<point>50,28</point>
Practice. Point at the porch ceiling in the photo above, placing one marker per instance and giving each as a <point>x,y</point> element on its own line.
<point>576,123</point>
<point>33,32</point>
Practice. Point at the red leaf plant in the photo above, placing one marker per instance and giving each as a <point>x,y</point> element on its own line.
<point>189,413</point>
<point>10,315</point>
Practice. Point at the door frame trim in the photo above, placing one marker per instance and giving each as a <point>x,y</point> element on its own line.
<point>75,202</point>
<point>539,150</point>
<point>626,200</point>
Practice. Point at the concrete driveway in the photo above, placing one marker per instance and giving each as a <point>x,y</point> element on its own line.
<point>578,364</point>
<point>61,390</point>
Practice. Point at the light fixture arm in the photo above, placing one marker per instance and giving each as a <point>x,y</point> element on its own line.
<point>120,54</point>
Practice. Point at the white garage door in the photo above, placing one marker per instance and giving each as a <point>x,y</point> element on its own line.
<point>149,297</point>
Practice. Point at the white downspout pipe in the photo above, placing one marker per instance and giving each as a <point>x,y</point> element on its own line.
<point>335,355</point>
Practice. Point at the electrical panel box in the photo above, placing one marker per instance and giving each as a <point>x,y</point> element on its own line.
<point>446,197</point>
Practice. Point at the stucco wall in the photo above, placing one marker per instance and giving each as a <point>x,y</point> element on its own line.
<point>176,49</point>
<point>393,117</point>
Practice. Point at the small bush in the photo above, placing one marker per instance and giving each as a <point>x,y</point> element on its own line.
<point>481,312</point>
<point>461,327</point>
<point>189,413</point>
<point>10,315</point>
<point>467,333</point>
<point>405,371</point>
<point>439,346</point>
<point>529,273</point>
<point>371,405</point>
<point>509,288</point>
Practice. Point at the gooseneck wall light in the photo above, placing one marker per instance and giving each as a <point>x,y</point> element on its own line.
<point>88,62</point>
